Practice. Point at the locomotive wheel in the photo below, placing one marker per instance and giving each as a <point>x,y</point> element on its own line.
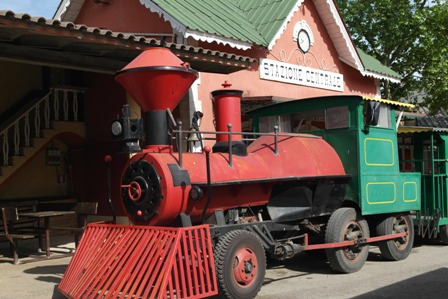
<point>443,234</point>
<point>240,265</point>
<point>396,249</point>
<point>345,225</point>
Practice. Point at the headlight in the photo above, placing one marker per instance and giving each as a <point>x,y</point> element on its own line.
<point>117,128</point>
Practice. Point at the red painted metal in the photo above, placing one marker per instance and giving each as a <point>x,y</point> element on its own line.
<point>307,156</point>
<point>116,261</point>
<point>246,270</point>
<point>156,79</point>
<point>351,243</point>
<point>227,111</point>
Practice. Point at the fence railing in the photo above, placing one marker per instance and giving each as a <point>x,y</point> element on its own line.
<point>60,104</point>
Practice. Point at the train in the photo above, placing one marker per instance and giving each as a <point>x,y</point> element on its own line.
<point>313,174</point>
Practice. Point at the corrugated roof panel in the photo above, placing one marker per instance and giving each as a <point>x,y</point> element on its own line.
<point>420,130</point>
<point>259,22</point>
<point>390,102</point>
<point>372,64</point>
<point>235,25</point>
<point>267,15</point>
<point>114,47</point>
<point>214,17</point>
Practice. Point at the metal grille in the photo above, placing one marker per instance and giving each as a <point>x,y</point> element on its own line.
<point>115,261</point>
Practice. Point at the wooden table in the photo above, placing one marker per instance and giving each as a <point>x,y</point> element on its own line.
<point>46,215</point>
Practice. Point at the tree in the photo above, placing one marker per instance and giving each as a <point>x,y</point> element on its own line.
<point>410,37</point>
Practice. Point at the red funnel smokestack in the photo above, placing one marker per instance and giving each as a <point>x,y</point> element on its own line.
<point>156,79</point>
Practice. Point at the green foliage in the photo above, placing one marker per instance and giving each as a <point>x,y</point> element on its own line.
<point>410,37</point>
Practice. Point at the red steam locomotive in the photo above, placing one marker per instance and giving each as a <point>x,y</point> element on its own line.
<point>204,222</point>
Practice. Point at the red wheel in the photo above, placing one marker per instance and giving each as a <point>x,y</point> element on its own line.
<point>240,265</point>
<point>245,266</point>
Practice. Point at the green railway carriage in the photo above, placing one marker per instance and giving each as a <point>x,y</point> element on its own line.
<point>379,199</point>
<point>425,149</point>
<point>363,132</point>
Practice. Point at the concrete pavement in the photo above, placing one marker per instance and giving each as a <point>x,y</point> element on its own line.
<point>423,275</point>
<point>36,276</point>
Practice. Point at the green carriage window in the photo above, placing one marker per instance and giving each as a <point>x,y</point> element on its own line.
<point>336,118</point>
<point>331,118</point>
<point>308,120</point>
<point>377,115</point>
<point>267,123</point>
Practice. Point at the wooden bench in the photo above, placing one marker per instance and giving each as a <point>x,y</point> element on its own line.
<point>13,229</point>
<point>83,210</point>
<point>24,224</point>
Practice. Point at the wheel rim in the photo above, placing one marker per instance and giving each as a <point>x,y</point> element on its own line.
<point>352,232</point>
<point>245,267</point>
<point>400,225</point>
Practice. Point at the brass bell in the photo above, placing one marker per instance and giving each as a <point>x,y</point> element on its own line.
<point>193,137</point>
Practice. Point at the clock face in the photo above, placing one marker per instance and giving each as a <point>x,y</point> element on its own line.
<point>303,41</point>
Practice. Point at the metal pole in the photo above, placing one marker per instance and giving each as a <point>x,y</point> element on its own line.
<point>276,140</point>
<point>107,159</point>
<point>179,142</point>
<point>207,150</point>
<point>229,127</point>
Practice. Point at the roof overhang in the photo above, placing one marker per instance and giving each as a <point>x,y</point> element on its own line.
<point>197,35</point>
<point>338,33</point>
<point>69,10</point>
<point>404,130</point>
<point>389,102</point>
<point>327,9</point>
<point>285,24</point>
<point>368,73</point>
<point>64,44</point>
<point>342,41</point>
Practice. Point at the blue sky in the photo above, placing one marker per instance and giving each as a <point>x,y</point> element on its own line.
<point>35,8</point>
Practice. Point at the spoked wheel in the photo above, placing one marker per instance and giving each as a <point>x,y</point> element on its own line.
<point>396,249</point>
<point>345,225</point>
<point>240,265</point>
<point>443,234</point>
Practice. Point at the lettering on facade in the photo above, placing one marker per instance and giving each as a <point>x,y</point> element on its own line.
<point>300,75</point>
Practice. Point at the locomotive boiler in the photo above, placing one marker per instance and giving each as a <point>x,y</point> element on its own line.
<point>205,221</point>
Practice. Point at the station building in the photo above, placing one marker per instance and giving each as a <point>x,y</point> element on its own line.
<point>60,96</point>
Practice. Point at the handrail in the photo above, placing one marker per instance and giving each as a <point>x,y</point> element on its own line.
<point>181,135</point>
<point>21,126</point>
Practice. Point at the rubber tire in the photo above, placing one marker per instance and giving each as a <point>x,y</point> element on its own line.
<point>225,256</point>
<point>397,249</point>
<point>443,234</point>
<point>339,259</point>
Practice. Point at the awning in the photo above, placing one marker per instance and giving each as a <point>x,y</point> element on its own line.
<point>403,130</point>
<point>390,102</point>
<point>36,40</point>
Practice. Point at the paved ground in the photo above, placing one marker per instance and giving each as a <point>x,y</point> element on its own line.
<point>35,277</point>
<point>423,275</point>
